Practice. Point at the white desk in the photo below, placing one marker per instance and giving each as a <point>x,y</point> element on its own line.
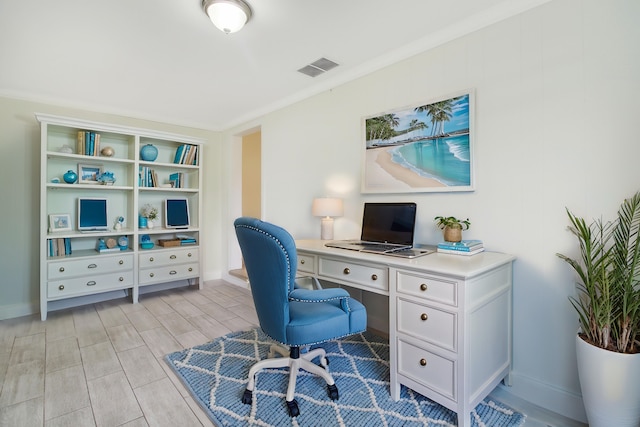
<point>449,317</point>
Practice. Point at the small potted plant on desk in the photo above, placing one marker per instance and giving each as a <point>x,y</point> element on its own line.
<point>608,308</point>
<point>452,227</point>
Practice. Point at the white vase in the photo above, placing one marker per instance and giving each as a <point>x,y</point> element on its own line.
<point>149,223</point>
<point>610,384</point>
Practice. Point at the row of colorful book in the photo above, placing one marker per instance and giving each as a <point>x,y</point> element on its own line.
<point>186,154</point>
<point>59,247</point>
<point>88,143</point>
<point>147,177</point>
<point>464,247</point>
<point>177,179</point>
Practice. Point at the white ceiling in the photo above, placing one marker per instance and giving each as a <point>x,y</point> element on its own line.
<point>164,60</point>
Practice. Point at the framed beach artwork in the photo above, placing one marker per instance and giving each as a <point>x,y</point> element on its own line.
<point>422,148</point>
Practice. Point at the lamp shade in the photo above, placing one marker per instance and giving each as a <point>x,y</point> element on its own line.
<point>327,207</point>
<point>227,15</point>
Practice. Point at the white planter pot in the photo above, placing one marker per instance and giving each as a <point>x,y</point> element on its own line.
<point>610,384</point>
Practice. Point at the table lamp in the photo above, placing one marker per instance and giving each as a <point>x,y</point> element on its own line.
<point>327,208</point>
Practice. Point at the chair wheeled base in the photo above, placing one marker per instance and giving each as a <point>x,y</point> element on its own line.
<point>294,361</point>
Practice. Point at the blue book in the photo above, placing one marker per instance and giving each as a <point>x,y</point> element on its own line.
<point>178,155</point>
<point>464,245</point>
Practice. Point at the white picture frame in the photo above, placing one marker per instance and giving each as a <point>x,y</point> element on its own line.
<point>425,147</point>
<point>59,222</point>
<point>88,173</point>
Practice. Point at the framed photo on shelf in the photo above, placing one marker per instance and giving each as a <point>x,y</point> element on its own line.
<point>426,147</point>
<point>88,174</point>
<point>59,222</point>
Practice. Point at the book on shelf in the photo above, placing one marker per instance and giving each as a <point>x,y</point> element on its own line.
<point>457,252</point>
<point>59,247</point>
<point>186,154</point>
<point>105,250</point>
<point>88,143</point>
<point>177,179</point>
<point>464,245</point>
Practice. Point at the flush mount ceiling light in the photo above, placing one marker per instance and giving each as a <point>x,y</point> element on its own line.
<point>228,15</point>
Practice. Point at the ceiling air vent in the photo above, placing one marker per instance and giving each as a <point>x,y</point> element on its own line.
<point>318,67</point>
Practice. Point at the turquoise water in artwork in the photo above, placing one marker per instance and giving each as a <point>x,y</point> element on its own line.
<point>444,159</point>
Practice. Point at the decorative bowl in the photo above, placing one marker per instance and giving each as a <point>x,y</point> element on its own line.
<point>146,245</point>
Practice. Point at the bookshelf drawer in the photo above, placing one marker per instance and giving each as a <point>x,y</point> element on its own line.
<point>89,284</point>
<point>95,265</point>
<point>428,287</point>
<point>427,323</point>
<point>168,273</point>
<point>168,257</point>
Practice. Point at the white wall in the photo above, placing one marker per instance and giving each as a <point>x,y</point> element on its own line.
<point>20,198</point>
<point>556,94</point>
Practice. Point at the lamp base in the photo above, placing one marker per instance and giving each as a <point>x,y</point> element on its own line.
<point>326,232</point>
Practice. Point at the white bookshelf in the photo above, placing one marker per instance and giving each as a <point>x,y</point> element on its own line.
<point>85,271</point>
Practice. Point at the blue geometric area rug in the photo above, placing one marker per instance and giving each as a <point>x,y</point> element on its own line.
<point>216,375</point>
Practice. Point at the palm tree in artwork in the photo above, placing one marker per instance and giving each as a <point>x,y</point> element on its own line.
<point>416,125</point>
<point>381,127</point>
<point>439,112</point>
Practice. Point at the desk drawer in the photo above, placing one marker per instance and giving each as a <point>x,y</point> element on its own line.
<point>168,257</point>
<point>427,368</point>
<point>307,263</point>
<point>428,287</point>
<point>427,323</point>
<point>99,264</point>
<point>365,275</point>
<point>65,288</point>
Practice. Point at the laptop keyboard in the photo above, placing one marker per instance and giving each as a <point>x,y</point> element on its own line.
<point>383,248</point>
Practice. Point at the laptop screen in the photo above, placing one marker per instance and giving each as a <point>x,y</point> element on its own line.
<point>389,222</point>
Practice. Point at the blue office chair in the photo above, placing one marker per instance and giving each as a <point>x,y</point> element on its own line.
<point>292,316</point>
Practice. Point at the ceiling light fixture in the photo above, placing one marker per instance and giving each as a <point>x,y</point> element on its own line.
<point>228,15</point>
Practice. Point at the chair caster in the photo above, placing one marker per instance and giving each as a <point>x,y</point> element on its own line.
<point>293,408</point>
<point>247,397</point>
<point>333,392</point>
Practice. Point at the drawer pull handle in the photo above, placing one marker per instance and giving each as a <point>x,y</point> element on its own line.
<point>151,274</point>
<point>424,316</point>
<point>91,283</point>
<point>173,272</point>
<point>423,362</point>
<point>151,259</point>
<point>92,266</point>
<point>346,270</point>
<point>189,254</point>
<point>301,261</point>
<point>61,269</point>
<point>121,279</point>
<point>374,277</point>
<point>121,262</point>
<point>423,287</point>
<point>190,269</point>
<point>172,257</point>
<point>61,287</point>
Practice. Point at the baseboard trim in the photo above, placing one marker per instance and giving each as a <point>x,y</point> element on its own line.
<point>19,310</point>
<point>560,401</point>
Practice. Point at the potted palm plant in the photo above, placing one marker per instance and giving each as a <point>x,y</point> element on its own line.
<point>452,227</point>
<point>608,307</point>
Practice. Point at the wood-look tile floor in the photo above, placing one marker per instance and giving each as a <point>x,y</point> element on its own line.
<point>102,364</point>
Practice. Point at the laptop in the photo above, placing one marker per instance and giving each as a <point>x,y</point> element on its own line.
<point>387,228</point>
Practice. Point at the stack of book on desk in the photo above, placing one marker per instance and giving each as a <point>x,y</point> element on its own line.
<point>464,247</point>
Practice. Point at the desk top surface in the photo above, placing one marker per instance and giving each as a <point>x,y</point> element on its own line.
<point>456,265</point>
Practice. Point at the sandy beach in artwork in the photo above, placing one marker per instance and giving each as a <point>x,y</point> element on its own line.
<point>383,173</point>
